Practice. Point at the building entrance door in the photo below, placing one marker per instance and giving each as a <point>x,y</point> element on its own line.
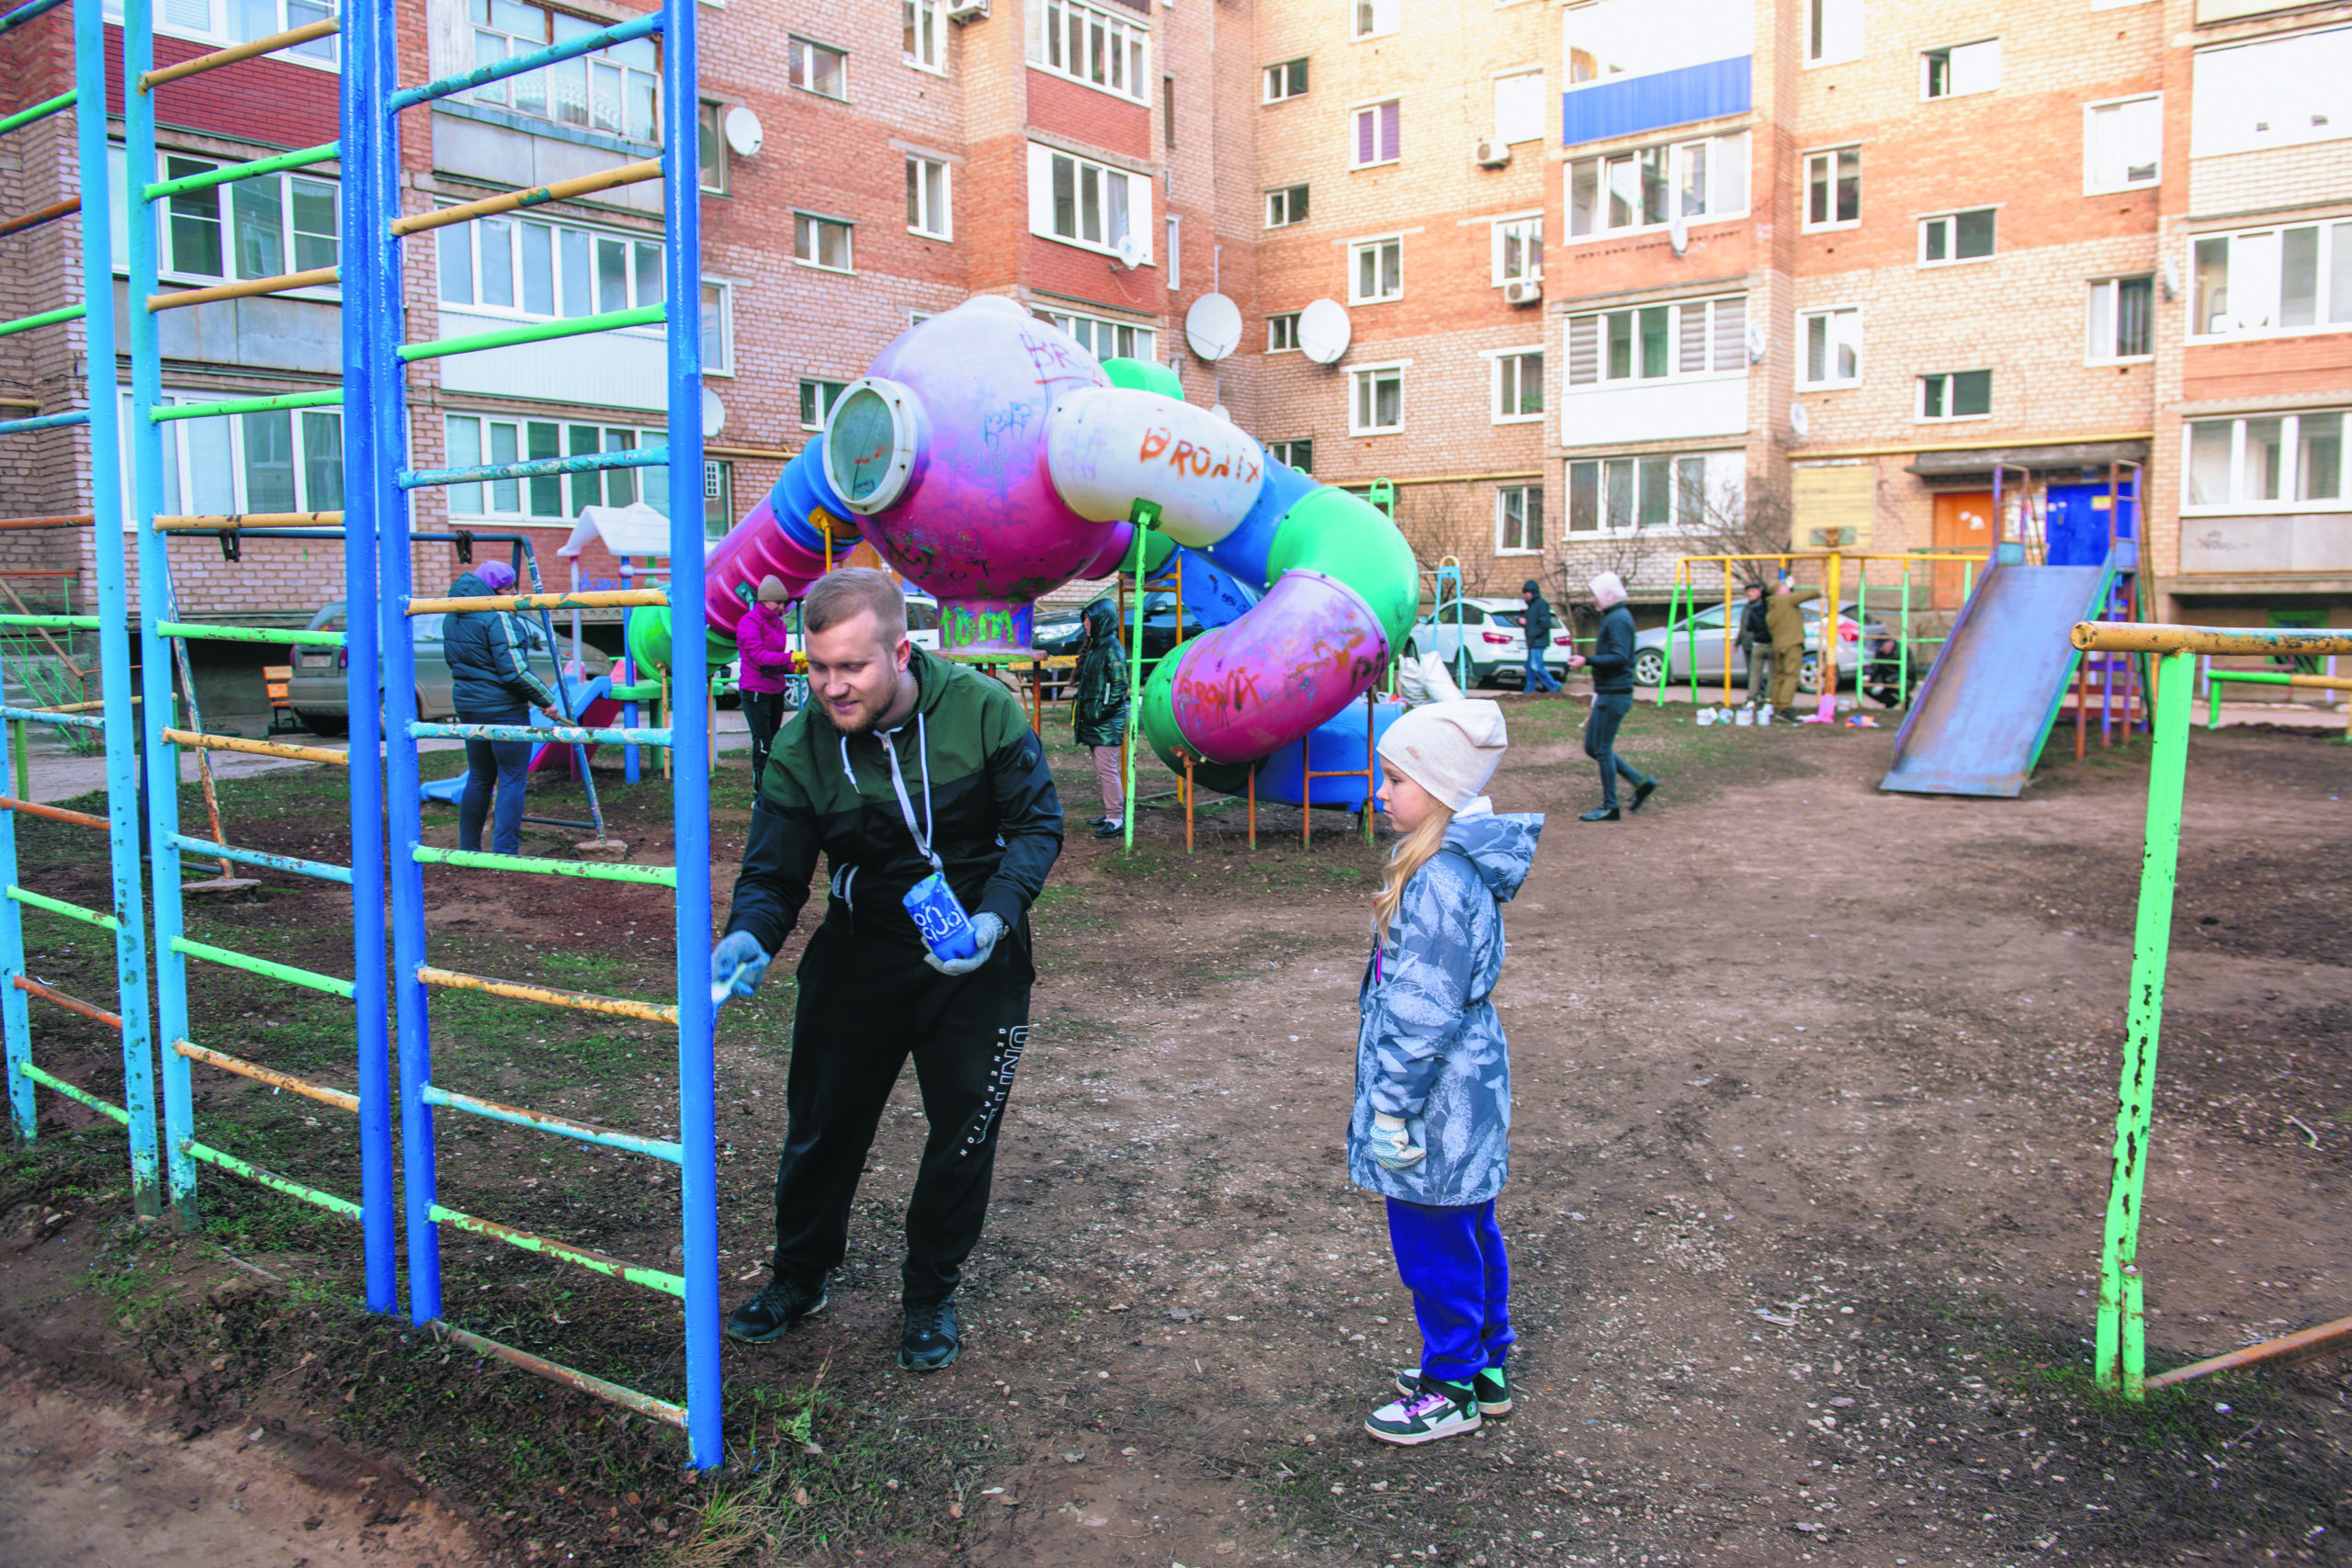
<point>1964,522</point>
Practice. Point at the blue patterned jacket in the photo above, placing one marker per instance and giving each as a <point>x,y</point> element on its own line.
<point>1429,1048</point>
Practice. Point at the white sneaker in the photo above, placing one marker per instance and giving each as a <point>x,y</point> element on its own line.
<point>1425,1418</point>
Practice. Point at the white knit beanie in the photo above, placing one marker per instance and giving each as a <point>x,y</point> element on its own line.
<point>1448,749</point>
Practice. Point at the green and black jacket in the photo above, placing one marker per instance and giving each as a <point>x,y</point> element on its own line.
<point>992,813</point>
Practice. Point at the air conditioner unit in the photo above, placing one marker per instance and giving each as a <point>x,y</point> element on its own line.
<point>1491,154</point>
<point>968,10</point>
<point>1524,292</point>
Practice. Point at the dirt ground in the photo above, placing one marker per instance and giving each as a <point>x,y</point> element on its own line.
<point>1813,1089</point>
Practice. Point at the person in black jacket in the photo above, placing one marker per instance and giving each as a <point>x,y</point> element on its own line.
<point>491,683</point>
<point>1756,644</point>
<point>1538,626</point>
<point>1101,717</point>
<point>1611,663</point>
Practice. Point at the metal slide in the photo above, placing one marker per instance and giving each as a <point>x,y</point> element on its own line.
<point>1978,723</point>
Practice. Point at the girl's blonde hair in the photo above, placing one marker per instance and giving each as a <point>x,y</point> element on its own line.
<point>1412,853</point>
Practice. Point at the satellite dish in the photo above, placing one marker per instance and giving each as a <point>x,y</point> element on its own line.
<point>713,414</point>
<point>1800,420</point>
<point>1324,331</point>
<point>1677,234</point>
<point>1213,326</point>
<point>1755,343</point>
<point>743,131</point>
<point>1129,251</point>
<point>1223,412</point>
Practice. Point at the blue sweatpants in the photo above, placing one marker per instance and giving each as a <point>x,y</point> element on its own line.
<point>1453,1261</point>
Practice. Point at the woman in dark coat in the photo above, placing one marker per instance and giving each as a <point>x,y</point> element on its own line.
<point>1102,711</point>
<point>491,683</point>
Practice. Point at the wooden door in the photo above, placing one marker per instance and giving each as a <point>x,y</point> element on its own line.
<point>1964,522</point>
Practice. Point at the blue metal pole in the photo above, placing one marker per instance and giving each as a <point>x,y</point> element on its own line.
<point>114,612</point>
<point>362,638</point>
<point>15,1017</point>
<point>154,601</point>
<point>689,724</point>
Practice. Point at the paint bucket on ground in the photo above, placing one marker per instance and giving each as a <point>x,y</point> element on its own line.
<point>1744,718</point>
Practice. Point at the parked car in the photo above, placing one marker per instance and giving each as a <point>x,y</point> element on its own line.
<point>922,630</point>
<point>317,691</point>
<point>1494,633</point>
<point>1667,651</point>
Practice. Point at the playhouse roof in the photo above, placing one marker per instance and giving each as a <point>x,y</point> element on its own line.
<point>632,530</point>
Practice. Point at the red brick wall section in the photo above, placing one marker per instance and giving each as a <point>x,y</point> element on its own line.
<point>266,101</point>
<point>1083,114</point>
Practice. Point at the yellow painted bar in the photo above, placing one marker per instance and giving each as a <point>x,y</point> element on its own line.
<point>2271,678</point>
<point>597,598</point>
<point>2149,636</point>
<point>548,995</point>
<point>202,522</point>
<point>257,748</point>
<point>316,278</point>
<point>561,190</point>
<point>271,1075</point>
<point>151,79</point>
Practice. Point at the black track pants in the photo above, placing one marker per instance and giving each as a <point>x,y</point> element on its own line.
<point>865,1006</point>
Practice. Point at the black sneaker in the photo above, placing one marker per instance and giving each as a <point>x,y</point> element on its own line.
<point>1642,792</point>
<point>933,1337</point>
<point>774,1313</point>
<point>1107,830</point>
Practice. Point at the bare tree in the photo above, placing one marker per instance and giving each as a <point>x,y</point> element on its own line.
<point>1755,520</point>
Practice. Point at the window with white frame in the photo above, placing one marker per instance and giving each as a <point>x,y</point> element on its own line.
<point>1518,386</point>
<point>1518,249</point>
<point>1282,333</point>
<point>924,41</point>
<point>1096,47</point>
<point>816,399</point>
<point>1959,69</point>
<point>617,90</point>
<point>1376,271</point>
<point>2272,281</point>
<point>928,210</point>
<point>242,21</point>
<point>1105,339</point>
<point>1519,520</point>
<point>1378,134</point>
<point>1298,454</point>
<point>1833,32</point>
<point>1682,341</point>
<point>547,270</point>
<point>2123,319</point>
<point>1089,204</point>
<point>473,440</point>
<point>1175,252</point>
<point>1693,492</point>
<point>1285,206</point>
<point>1288,79</point>
<point>2286,90</point>
<point>1649,187</point>
<point>275,461</point>
<point>263,227</point>
<point>717,498</point>
<point>2123,143</point>
<point>1832,346</point>
<point>1376,400</point>
<point>1833,187</point>
<point>1370,18</point>
<point>2275,462</point>
<point>818,68</point>
<point>718,329</point>
<point>821,242</point>
<point>1956,394</point>
<point>710,139</point>
<point>1519,107</point>
<point>1957,237</point>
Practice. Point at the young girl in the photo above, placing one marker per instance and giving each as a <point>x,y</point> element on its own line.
<point>1431,1126</point>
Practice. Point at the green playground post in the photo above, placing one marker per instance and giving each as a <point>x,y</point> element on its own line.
<point>1143,517</point>
<point>1902,644</point>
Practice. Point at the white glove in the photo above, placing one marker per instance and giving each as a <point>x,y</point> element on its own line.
<point>986,928</point>
<point>1392,1142</point>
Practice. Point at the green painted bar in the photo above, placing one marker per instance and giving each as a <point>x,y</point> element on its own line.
<point>643,692</point>
<point>59,907</point>
<point>230,174</point>
<point>271,1180</point>
<point>613,1268</point>
<point>46,319</point>
<point>79,1096</point>
<point>594,871</point>
<point>73,623</point>
<point>329,398</point>
<point>248,634</point>
<point>22,118</point>
<point>537,332</point>
<point>263,966</point>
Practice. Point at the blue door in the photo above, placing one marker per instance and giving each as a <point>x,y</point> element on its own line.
<point>2077,521</point>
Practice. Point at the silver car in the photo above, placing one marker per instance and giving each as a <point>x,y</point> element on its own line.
<point>1491,639</point>
<point>1666,651</point>
<point>317,689</point>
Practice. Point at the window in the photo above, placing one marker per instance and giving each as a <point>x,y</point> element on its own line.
<point>816,399</point>
<point>1519,107</point>
<point>710,145</point>
<point>819,68</point>
<point>1518,249</point>
<point>546,270</point>
<point>1369,18</point>
<point>1168,111</point>
<point>2271,462</point>
<point>1518,386</point>
<point>241,21</point>
<point>1091,45</point>
<point>821,242</point>
<point>263,227</point>
<point>1089,204</point>
<point>718,330</point>
<point>1285,206</point>
<point>1960,68</point>
<point>1288,79</point>
<point>1694,493</point>
<point>1175,253</point>
<point>1833,346</point>
<point>924,45</point>
<point>2273,281</point>
<point>1377,139</point>
<point>1651,187</point>
<point>473,440</point>
<point>1282,333</point>
<point>2279,92</point>
<point>1833,32</point>
<point>1956,394</point>
<point>278,460</point>
<point>928,210</point>
<point>1375,271</point>
<point>1660,342</point>
<point>1519,520</point>
<point>2123,319</point>
<point>617,90</point>
<point>1376,406</point>
<point>1956,236</point>
<point>1104,339</point>
<point>1298,454</point>
<point>1833,188</point>
<point>2122,143</point>
<point>717,498</point>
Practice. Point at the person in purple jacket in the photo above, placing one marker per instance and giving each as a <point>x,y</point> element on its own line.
<point>765,643</point>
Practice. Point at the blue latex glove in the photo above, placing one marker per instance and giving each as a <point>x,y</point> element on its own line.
<point>986,928</point>
<point>1392,1142</point>
<point>737,965</point>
